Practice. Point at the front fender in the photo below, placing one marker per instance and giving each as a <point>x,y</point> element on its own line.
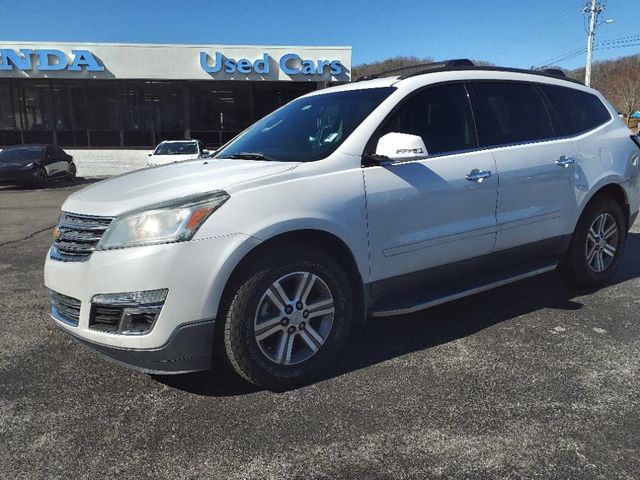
<point>354,240</point>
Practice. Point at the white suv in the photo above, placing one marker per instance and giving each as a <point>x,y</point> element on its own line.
<point>374,198</point>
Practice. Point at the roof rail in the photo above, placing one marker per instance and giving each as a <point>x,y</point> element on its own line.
<point>419,69</point>
<point>556,72</point>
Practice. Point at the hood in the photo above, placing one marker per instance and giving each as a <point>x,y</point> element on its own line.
<point>150,186</point>
<point>166,159</point>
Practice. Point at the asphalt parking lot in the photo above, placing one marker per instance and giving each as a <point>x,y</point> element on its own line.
<point>534,381</point>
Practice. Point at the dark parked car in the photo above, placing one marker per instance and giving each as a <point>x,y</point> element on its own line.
<point>34,165</point>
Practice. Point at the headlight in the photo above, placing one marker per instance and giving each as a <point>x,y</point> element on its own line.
<point>175,221</point>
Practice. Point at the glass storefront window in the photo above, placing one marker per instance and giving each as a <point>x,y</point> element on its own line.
<point>135,113</point>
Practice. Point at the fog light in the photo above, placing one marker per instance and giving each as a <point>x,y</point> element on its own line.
<point>129,313</point>
<point>138,320</point>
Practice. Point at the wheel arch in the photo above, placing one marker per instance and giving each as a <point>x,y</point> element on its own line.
<point>616,192</point>
<point>320,239</point>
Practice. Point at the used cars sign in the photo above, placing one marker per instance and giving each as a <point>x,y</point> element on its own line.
<point>291,64</point>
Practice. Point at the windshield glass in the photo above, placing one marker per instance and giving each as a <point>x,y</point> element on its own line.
<point>31,153</point>
<point>306,129</point>
<point>176,148</point>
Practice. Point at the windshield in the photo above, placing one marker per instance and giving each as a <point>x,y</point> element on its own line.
<point>32,153</point>
<point>176,148</point>
<point>306,129</point>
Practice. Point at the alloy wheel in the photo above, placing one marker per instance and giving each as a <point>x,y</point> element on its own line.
<point>294,318</point>
<point>602,243</point>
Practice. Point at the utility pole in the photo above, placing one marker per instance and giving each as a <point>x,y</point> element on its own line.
<point>594,9</point>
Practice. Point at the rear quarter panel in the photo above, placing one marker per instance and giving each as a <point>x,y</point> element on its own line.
<point>606,156</point>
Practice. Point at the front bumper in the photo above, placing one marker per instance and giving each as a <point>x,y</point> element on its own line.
<point>189,349</point>
<point>194,273</point>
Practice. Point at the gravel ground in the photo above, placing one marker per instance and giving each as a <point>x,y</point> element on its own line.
<point>534,380</point>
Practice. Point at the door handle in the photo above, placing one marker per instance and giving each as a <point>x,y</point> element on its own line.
<point>478,175</point>
<point>565,161</point>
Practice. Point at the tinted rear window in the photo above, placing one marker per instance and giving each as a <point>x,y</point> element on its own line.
<point>578,111</point>
<point>510,112</point>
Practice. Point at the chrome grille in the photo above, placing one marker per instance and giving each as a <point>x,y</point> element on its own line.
<point>63,308</point>
<point>78,236</point>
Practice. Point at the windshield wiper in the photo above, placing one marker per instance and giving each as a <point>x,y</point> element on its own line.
<point>250,156</point>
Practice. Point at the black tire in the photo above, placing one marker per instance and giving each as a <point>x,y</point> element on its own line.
<point>576,266</point>
<point>71,176</point>
<point>40,179</point>
<point>241,347</point>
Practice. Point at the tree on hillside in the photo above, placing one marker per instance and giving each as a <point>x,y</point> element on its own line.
<point>625,87</point>
<point>618,80</point>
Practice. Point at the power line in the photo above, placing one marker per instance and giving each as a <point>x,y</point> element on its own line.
<point>548,24</point>
<point>565,56</point>
<point>618,46</point>
<point>633,38</point>
<point>635,35</point>
<point>618,42</point>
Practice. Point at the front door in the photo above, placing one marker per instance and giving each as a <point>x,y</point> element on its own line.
<point>433,211</point>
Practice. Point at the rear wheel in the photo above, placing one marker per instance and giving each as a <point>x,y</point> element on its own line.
<point>72,172</point>
<point>289,317</point>
<point>597,245</point>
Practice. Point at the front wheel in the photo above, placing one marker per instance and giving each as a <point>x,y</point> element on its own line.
<point>597,245</point>
<point>289,317</point>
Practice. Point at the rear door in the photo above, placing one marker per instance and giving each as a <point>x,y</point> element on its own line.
<point>426,213</point>
<point>536,197</point>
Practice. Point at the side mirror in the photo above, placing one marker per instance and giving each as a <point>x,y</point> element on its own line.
<point>150,154</point>
<point>205,152</point>
<point>401,147</point>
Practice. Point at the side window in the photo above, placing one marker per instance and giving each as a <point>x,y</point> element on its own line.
<point>440,115</point>
<point>510,112</point>
<point>578,111</point>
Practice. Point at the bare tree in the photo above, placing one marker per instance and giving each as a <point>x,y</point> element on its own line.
<point>626,87</point>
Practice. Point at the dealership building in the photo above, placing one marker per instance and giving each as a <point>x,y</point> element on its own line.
<point>109,104</point>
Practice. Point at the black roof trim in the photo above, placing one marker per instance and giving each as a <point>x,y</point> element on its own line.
<point>420,68</point>
<point>464,64</point>
<point>554,71</point>
<point>542,73</point>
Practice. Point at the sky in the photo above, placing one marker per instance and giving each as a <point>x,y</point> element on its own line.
<point>511,33</point>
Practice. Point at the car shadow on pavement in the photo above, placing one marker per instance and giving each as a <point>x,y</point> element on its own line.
<point>53,184</point>
<point>383,339</point>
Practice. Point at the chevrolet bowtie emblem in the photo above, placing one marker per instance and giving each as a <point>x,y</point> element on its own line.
<point>56,234</point>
